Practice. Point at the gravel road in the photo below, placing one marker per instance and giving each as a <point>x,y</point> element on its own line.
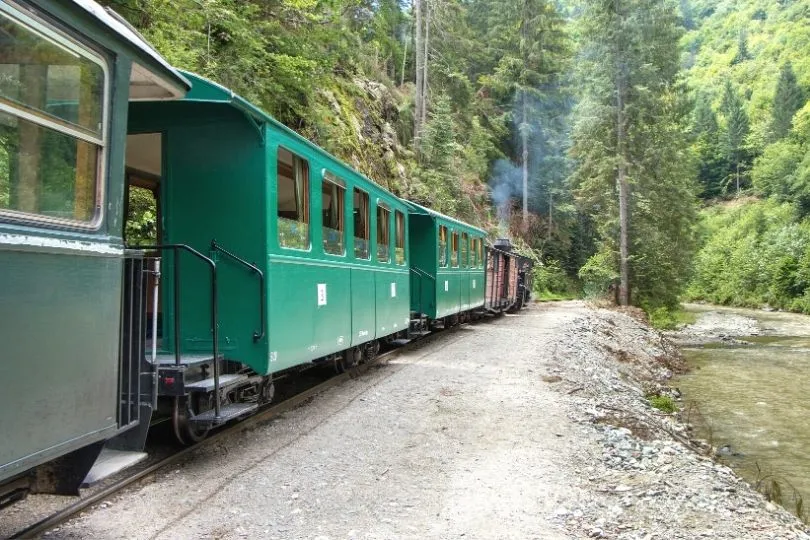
<point>528,426</point>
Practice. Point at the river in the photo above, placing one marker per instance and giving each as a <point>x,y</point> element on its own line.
<point>748,391</point>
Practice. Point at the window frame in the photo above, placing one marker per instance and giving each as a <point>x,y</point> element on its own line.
<point>329,177</point>
<point>464,251</point>
<point>73,42</point>
<point>446,243</point>
<point>400,213</point>
<point>307,210</point>
<point>356,189</point>
<point>382,207</point>
<point>454,248</point>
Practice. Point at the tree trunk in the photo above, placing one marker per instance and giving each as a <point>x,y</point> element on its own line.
<point>524,138</point>
<point>624,187</point>
<point>425,64</point>
<point>417,113</point>
<point>550,211</point>
<point>404,59</point>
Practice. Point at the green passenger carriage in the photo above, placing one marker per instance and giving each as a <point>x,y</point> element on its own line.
<point>67,72</point>
<point>447,267</point>
<point>311,257</point>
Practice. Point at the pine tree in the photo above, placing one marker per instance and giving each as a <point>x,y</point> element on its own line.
<point>742,49</point>
<point>737,128</point>
<point>713,165</point>
<point>631,149</point>
<point>788,99</point>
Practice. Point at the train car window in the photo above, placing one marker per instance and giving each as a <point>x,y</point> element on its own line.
<point>333,196</point>
<point>399,226</point>
<point>383,234</point>
<point>293,200</point>
<point>473,253</point>
<point>442,246</point>
<point>465,250</point>
<point>480,252</point>
<point>361,224</point>
<point>52,117</point>
<point>454,251</point>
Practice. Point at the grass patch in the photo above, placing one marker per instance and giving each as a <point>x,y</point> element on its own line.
<point>663,403</point>
<point>548,296</point>
<point>666,319</point>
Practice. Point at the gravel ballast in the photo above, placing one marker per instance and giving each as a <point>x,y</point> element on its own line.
<point>529,426</point>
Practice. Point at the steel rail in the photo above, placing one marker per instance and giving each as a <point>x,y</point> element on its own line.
<point>270,412</point>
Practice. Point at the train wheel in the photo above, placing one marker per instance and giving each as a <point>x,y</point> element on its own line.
<point>267,391</point>
<point>185,432</point>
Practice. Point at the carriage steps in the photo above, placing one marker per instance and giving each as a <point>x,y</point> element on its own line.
<point>228,412</point>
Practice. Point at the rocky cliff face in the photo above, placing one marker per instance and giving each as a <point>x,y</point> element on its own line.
<point>357,120</point>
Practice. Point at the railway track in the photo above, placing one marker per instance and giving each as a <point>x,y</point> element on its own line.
<point>268,413</point>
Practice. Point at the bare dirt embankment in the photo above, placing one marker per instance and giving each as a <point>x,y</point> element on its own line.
<point>529,426</point>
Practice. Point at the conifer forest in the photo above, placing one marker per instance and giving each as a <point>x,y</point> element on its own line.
<point>651,150</point>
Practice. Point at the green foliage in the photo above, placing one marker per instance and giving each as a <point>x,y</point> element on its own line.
<point>774,37</point>
<point>141,224</point>
<point>737,129</point>
<point>754,254</point>
<point>663,403</point>
<point>788,99</point>
<point>742,49</point>
<point>551,282</point>
<point>598,274</point>
<point>670,319</point>
<point>708,148</point>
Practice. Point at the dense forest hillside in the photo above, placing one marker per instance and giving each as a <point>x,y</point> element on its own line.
<point>344,74</point>
<point>748,68</point>
<point>574,126</point>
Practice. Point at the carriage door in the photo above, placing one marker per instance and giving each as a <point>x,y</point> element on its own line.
<point>144,168</point>
<point>140,303</point>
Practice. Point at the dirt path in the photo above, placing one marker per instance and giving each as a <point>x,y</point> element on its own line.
<point>499,430</point>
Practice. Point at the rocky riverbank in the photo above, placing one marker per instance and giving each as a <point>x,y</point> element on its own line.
<point>647,478</point>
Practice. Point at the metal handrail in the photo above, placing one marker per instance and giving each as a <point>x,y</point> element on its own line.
<point>176,248</point>
<point>422,272</point>
<point>257,336</point>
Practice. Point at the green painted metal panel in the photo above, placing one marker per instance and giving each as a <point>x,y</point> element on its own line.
<point>393,301</point>
<point>308,306</point>
<point>60,296</point>
<point>364,308</point>
<point>211,189</point>
<point>422,235</point>
<point>448,290</point>
<point>60,316</point>
<point>221,182</point>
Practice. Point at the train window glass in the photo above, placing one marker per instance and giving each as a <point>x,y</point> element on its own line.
<point>442,246</point>
<point>454,251</point>
<point>52,98</point>
<point>333,196</point>
<point>383,234</point>
<point>293,200</point>
<point>473,252</point>
<point>399,226</point>
<point>480,252</point>
<point>361,224</point>
<point>465,248</point>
